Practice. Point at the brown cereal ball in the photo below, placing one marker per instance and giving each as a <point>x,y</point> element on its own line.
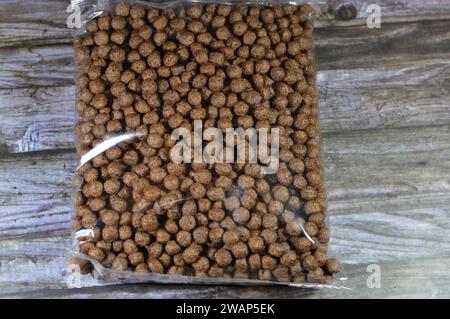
<point>200,235</point>
<point>155,249</point>
<point>265,274</point>
<point>136,258</point>
<point>289,258</point>
<point>294,228</point>
<point>141,268</point>
<point>270,221</point>
<point>129,247</point>
<point>312,207</point>
<point>284,176</point>
<point>165,260</point>
<point>234,71</point>
<point>202,265</point>
<point>311,229</point>
<point>332,266</point>
<point>185,37</point>
<point>256,244</point>
<point>216,214</point>
<point>172,248</point>
<point>171,182</point>
<point>101,38</point>
<point>93,189</point>
<point>152,193</point>
<point>142,238</point>
<point>184,238</point>
<point>157,174</point>
<point>245,181</point>
<point>241,215</point>
<point>223,257</point>
<point>231,237</point>
<point>150,222</point>
<point>197,190</point>
<point>215,235</point>
<point>189,207</point>
<point>154,265</point>
<point>232,203</point>
<point>310,263</point>
<point>268,263</point>
<point>120,264</point>
<point>110,234</point>
<point>239,250</point>
<point>162,236</point>
<point>281,273</point>
<point>254,262</point>
<point>96,253</point>
<point>122,9</point>
<point>187,223</point>
<point>191,254</point>
<point>281,193</point>
<point>91,175</point>
<point>299,182</point>
<point>194,10</point>
<point>215,193</point>
<point>112,186</point>
<point>278,249</point>
<point>269,236</point>
<point>215,83</point>
<point>216,271</point>
<point>203,176</point>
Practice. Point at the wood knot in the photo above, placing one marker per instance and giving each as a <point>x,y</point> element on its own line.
<point>344,9</point>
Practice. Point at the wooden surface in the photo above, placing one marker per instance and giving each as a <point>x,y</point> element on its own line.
<point>385,116</point>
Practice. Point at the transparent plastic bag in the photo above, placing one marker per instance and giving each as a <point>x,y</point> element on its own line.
<point>199,144</point>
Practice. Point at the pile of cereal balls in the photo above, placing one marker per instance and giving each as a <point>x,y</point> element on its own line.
<point>150,71</point>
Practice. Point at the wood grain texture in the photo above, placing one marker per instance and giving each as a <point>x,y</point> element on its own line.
<point>43,22</point>
<point>45,66</point>
<point>37,118</point>
<point>393,44</point>
<point>389,200</point>
<point>52,64</point>
<point>386,144</point>
<point>398,279</point>
<point>36,81</point>
<point>406,95</point>
<point>33,262</point>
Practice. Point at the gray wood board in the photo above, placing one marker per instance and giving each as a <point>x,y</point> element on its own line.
<point>388,202</point>
<point>400,95</point>
<point>385,114</point>
<point>43,21</point>
<point>51,64</point>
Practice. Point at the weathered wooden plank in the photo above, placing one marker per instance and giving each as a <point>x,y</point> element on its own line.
<point>39,273</point>
<point>43,22</point>
<point>37,118</point>
<point>34,266</point>
<point>45,66</point>
<point>383,190</point>
<point>389,193</point>
<point>52,65</point>
<point>30,262</point>
<point>356,12</point>
<point>415,94</point>
<point>39,200</point>
<point>396,43</point>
